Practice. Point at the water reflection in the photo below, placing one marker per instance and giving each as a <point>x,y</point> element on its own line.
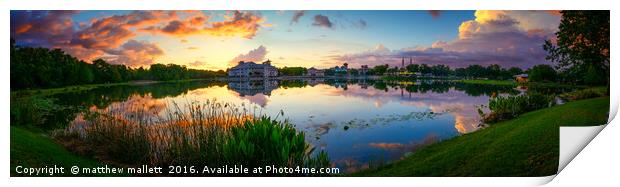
<point>358,122</point>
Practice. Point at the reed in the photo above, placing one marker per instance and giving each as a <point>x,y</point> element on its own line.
<point>202,134</point>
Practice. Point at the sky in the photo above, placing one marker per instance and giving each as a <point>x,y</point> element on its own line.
<point>217,40</point>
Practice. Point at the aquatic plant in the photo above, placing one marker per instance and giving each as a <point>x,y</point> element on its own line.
<point>263,141</point>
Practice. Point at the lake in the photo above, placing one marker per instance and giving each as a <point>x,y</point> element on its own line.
<point>359,123</point>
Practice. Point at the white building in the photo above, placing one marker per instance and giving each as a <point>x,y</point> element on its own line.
<point>253,70</point>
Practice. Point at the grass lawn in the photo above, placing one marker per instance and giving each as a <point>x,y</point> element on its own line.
<point>29,149</point>
<point>525,146</point>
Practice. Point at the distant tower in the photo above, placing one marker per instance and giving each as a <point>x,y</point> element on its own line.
<point>403,62</point>
<point>410,60</point>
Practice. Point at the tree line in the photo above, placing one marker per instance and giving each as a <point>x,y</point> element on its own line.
<point>37,67</point>
<point>538,73</point>
<point>292,71</point>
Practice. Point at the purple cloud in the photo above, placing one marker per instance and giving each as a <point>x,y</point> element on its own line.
<point>296,15</point>
<point>255,55</point>
<point>493,38</point>
<point>435,13</point>
<point>322,21</point>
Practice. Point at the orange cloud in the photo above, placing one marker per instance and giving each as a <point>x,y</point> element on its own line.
<point>554,12</point>
<point>42,28</point>
<point>135,53</point>
<point>244,24</point>
<point>23,28</point>
<point>191,24</point>
<point>107,37</point>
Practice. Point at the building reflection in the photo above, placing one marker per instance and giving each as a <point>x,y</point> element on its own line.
<point>251,88</point>
<point>314,82</point>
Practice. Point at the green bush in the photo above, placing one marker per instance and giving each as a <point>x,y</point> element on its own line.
<point>584,94</point>
<point>31,111</point>
<point>508,107</point>
<point>263,142</point>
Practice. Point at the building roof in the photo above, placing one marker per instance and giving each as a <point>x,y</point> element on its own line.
<point>243,64</point>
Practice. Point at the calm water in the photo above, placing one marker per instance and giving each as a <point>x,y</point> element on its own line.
<point>357,122</point>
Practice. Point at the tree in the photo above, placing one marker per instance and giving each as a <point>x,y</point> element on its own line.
<point>413,68</point>
<point>475,70</point>
<point>424,69</point>
<point>380,69</point>
<point>440,70</point>
<point>493,71</point>
<point>582,46</point>
<point>48,68</point>
<point>592,77</point>
<point>292,71</point>
<point>354,72</point>
<point>515,71</point>
<point>542,72</point>
<point>86,73</point>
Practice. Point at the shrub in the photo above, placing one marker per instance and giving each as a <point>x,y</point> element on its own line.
<point>31,111</point>
<point>508,107</point>
<point>584,94</point>
<point>261,142</point>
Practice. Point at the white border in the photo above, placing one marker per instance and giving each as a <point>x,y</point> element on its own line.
<point>603,163</point>
<point>309,5</point>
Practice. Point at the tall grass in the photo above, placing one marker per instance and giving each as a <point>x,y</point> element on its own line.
<point>508,107</point>
<point>202,134</point>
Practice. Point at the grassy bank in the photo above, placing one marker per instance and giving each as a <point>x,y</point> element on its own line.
<point>492,82</point>
<point>29,149</point>
<point>525,146</point>
<point>513,83</point>
<point>399,78</point>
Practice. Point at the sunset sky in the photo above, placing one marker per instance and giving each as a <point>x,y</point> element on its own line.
<point>218,39</point>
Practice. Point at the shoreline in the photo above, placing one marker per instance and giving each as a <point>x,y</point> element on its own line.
<point>85,87</point>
